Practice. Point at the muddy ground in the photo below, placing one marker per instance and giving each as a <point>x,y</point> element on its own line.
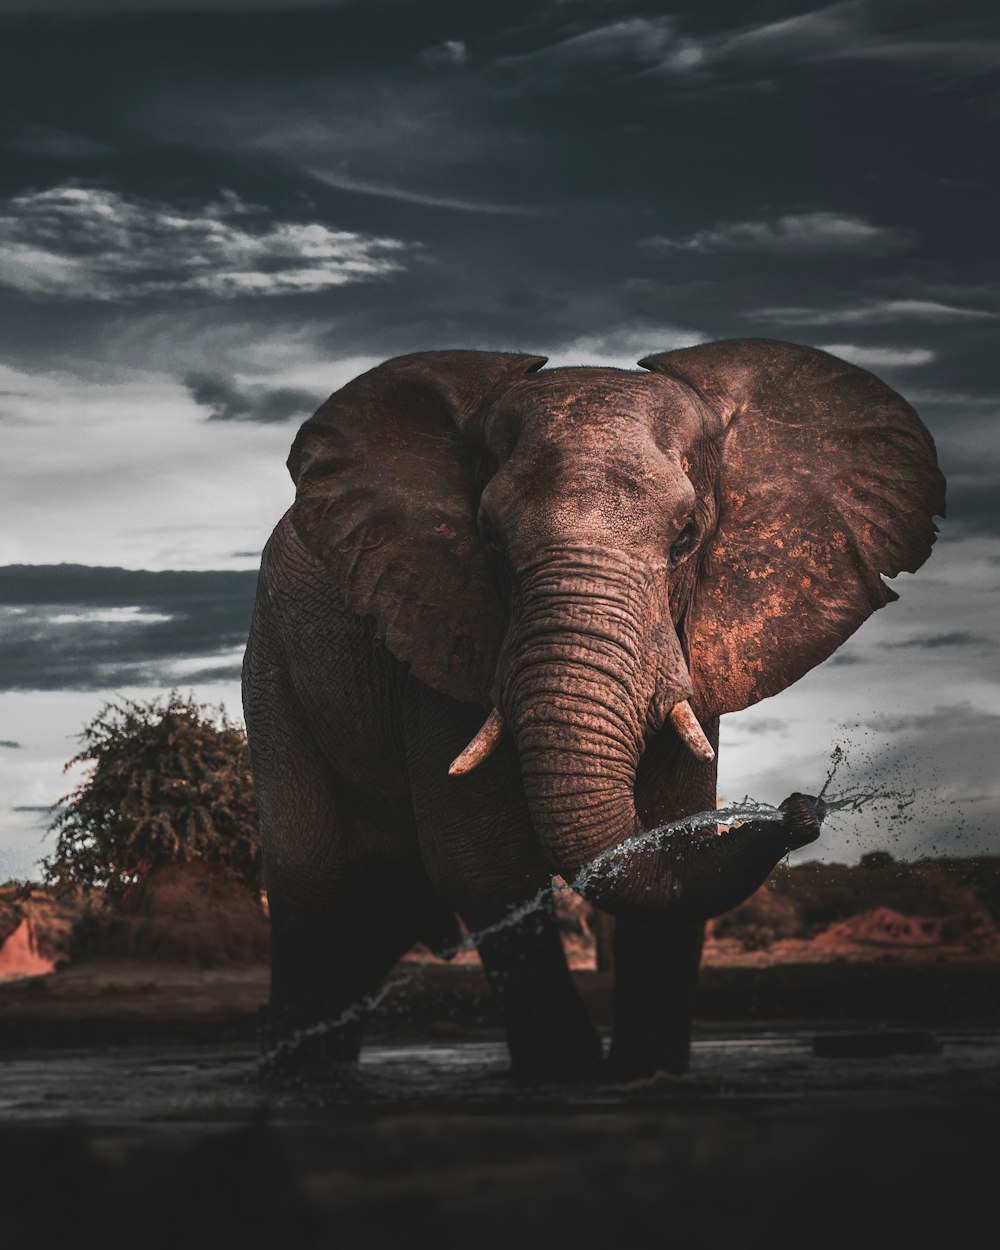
<point>827,1104</point>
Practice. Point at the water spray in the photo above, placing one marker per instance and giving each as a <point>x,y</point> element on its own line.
<point>613,860</point>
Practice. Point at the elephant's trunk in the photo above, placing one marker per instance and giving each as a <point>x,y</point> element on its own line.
<point>580,694</point>
<point>577,688</point>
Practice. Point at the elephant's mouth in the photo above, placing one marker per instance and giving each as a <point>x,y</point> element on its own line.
<point>482,745</point>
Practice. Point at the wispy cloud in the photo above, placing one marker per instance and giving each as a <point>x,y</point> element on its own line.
<point>815,33</point>
<point>91,243</point>
<point>879,357</point>
<point>932,40</point>
<point>389,191</point>
<point>960,58</point>
<point>792,233</point>
<point>873,312</point>
<point>624,48</point>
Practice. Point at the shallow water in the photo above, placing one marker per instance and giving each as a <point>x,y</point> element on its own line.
<point>170,1086</point>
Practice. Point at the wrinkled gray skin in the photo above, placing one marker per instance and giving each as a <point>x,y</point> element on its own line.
<point>582,549</point>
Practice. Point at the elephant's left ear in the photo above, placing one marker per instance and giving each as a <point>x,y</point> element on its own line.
<point>827,479</point>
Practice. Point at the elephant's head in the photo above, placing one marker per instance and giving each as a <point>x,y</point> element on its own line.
<point>591,551</point>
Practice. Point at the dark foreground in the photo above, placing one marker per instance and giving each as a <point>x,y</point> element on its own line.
<point>827,1105</point>
<point>765,1143</point>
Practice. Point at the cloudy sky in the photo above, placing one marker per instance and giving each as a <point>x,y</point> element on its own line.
<point>213,214</point>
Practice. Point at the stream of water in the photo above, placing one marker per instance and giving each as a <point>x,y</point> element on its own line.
<point>612,860</point>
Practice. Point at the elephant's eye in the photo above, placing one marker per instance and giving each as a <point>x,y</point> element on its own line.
<point>491,539</point>
<point>683,541</point>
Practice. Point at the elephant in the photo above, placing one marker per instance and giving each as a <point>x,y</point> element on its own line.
<point>492,640</point>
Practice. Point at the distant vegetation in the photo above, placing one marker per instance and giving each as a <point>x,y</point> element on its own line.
<point>170,782</point>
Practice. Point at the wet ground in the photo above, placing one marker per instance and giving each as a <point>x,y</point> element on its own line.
<point>766,1142</point>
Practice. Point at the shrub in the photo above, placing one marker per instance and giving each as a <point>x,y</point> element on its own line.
<point>170,781</point>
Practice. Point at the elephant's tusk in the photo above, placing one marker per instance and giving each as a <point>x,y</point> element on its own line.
<point>690,732</point>
<point>480,746</point>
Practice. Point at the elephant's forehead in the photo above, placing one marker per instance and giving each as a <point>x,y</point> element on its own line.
<point>603,405</point>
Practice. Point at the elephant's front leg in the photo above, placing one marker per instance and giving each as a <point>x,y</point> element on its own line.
<point>481,854</point>
<point>327,962</point>
<point>657,955</point>
<point>338,923</point>
<point>549,1032</point>
<point>656,975</point>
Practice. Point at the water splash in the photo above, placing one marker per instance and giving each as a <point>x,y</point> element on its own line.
<point>908,803</point>
<point>850,799</point>
<point>611,860</point>
<point>837,757</point>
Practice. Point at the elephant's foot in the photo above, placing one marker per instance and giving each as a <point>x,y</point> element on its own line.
<point>636,1063</point>
<point>559,1059</point>
<point>644,1046</point>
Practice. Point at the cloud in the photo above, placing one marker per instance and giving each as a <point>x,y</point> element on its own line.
<point>56,144</point>
<point>450,54</point>
<point>956,58</point>
<point>8,744</point>
<point>873,312</point>
<point>925,38</point>
<point>125,464</point>
<point>880,357</point>
<point>623,347</point>
<point>90,243</point>
<point>941,719</point>
<point>956,638</point>
<point>228,401</point>
<point>814,33</point>
<point>972,502</point>
<point>340,181</point>
<point>758,725</point>
<point>929,41</point>
<point>623,49</point>
<point>76,627</point>
<point>949,401</point>
<point>792,233</point>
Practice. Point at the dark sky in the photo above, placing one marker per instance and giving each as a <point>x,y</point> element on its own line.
<point>212,216</point>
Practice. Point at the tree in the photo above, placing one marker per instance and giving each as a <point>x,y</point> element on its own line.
<point>170,782</point>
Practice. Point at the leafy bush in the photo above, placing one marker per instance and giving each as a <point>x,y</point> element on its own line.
<point>170,782</point>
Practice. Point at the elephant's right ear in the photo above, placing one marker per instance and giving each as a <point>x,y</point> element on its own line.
<point>386,497</point>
